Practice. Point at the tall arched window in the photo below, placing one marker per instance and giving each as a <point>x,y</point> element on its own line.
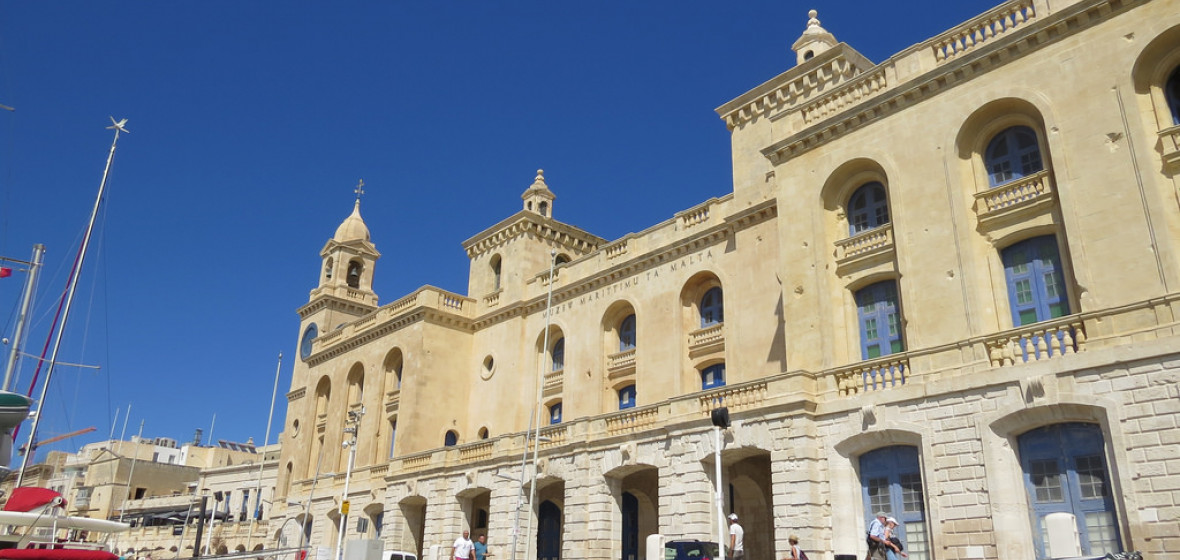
<point>495,264</point>
<point>1172,92</point>
<point>713,376</point>
<point>1036,287</point>
<point>712,307</point>
<point>1012,154</point>
<point>879,315</point>
<point>558,355</point>
<point>868,208</point>
<point>1065,471</point>
<point>627,397</point>
<point>627,333</point>
<point>891,481</point>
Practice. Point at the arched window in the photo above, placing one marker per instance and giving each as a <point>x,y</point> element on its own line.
<point>1172,92</point>
<point>543,207</point>
<point>555,413</point>
<point>627,397</point>
<point>627,333</point>
<point>354,274</point>
<point>483,433</point>
<point>712,307</point>
<point>879,315</point>
<point>392,435</point>
<point>328,268</point>
<point>713,376</point>
<point>1012,154</point>
<point>1065,471</point>
<point>558,354</point>
<point>561,259</point>
<point>495,264</point>
<point>868,208</point>
<point>1036,288</point>
<point>451,439</point>
<point>891,481</point>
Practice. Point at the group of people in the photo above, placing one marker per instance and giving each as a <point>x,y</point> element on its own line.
<point>882,539</point>
<point>465,549</point>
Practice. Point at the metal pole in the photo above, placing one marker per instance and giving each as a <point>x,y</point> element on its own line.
<point>540,385</point>
<point>262,460</point>
<point>131,472</point>
<point>200,527</point>
<point>720,507</point>
<point>354,420</point>
<point>18,335</point>
<point>73,285</point>
<point>180,538</point>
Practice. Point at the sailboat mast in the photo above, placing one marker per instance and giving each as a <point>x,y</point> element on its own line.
<point>117,126</point>
<point>26,299</point>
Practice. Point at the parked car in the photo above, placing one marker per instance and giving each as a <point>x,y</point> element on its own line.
<point>690,550</point>
<point>398,555</point>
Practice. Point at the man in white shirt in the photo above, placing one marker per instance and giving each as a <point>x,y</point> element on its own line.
<point>464,549</point>
<point>736,535</point>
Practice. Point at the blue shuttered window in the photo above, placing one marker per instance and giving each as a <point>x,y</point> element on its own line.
<point>891,481</point>
<point>867,208</point>
<point>559,355</point>
<point>451,438</point>
<point>879,316</point>
<point>627,397</point>
<point>555,413</point>
<point>1036,287</point>
<point>712,308</point>
<point>627,333</point>
<point>1065,471</point>
<point>1172,92</point>
<point>1012,154</point>
<point>713,376</point>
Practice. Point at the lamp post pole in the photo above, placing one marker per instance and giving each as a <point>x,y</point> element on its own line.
<point>354,420</point>
<point>720,418</point>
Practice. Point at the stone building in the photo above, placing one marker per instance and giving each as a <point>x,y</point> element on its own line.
<point>944,285</point>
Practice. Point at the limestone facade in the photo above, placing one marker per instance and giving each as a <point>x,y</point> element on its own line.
<point>944,285</point>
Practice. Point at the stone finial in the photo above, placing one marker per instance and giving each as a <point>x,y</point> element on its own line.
<point>815,39</point>
<point>538,198</point>
<point>539,182</point>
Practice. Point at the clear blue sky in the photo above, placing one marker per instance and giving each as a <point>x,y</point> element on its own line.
<point>251,123</point>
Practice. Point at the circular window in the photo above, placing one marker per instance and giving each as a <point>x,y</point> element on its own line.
<point>489,368</point>
<point>309,335</point>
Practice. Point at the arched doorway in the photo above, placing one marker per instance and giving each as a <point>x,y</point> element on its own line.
<point>630,526</point>
<point>548,531</point>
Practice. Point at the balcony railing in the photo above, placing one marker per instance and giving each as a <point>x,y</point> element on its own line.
<point>633,420</point>
<point>1018,194</point>
<point>621,361</point>
<point>1170,139</point>
<point>983,29</point>
<point>738,397</point>
<point>1037,342</point>
<point>878,239</point>
<point>881,373</point>
<point>706,338</point>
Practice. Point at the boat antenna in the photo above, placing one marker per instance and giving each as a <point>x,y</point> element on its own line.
<point>118,126</point>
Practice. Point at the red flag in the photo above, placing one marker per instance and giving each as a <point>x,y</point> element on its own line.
<point>5,272</point>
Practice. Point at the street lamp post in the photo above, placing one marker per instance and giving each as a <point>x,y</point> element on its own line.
<point>354,420</point>
<point>720,418</point>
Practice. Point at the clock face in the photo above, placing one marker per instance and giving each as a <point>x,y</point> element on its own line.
<point>305,342</point>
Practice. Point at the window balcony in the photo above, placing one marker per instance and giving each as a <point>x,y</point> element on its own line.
<point>865,246</point>
<point>707,340</point>
<point>873,375</point>
<point>1170,141</point>
<point>1017,200</point>
<point>553,383</point>
<point>621,363</point>
<point>1037,342</point>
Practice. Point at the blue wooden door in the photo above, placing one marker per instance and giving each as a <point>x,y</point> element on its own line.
<point>1065,471</point>
<point>630,532</point>
<point>548,531</point>
<point>891,481</point>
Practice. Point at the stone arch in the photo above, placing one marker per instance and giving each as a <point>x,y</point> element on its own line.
<point>843,181</point>
<point>393,367</point>
<point>1154,64</point>
<point>355,384</point>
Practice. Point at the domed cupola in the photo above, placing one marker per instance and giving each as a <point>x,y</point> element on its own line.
<point>815,40</point>
<point>538,198</point>
<point>353,227</point>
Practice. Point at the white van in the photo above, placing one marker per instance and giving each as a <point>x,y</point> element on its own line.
<point>398,555</point>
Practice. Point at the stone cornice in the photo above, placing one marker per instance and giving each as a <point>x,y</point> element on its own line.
<point>323,302</point>
<point>355,247</point>
<point>296,394</point>
<point>961,54</point>
<point>796,86</point>
<point>523,223</point>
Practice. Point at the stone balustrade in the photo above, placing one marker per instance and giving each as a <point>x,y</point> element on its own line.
<point>1037,342</point>
<point>1021,192</point>
<point>864,243</point>
<point>621,361</point>
<point>881,373</point>
<point>632,420</point>
<point>475,451</point>
<point>492,299</point>
<point>694,216</point>
<point>982,29</point>
<point>735,397</point>
<point>860,88</point>
<point>615,250</point>
<point>1170,140</point>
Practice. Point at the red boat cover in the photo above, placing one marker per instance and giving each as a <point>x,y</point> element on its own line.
<point>28,498</point>
<point>55,554</point>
